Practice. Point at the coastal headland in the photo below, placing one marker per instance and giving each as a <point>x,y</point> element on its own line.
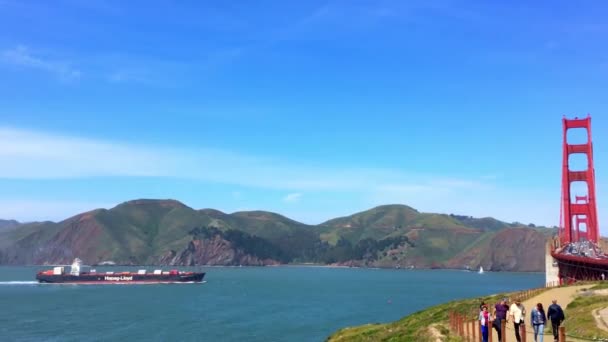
<point>168,232</point>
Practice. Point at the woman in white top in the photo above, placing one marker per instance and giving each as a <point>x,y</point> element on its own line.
<point>485,318</point>
<point>517,313</point>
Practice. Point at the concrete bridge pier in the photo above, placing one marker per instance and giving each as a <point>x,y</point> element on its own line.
<point>551,266</point>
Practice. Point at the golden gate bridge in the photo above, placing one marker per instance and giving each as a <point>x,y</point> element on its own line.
<point>577,252</point>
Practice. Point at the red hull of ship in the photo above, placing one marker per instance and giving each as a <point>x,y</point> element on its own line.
<point>120,278</point>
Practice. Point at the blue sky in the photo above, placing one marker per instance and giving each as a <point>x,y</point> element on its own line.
<point>312,109</point>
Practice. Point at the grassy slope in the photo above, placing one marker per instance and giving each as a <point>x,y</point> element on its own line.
<point>375,223</point>
<point>579,315</point>
<point>143,231</point>
<point>7,238</point>
<point>438,237</point>
<point>265,224</point>
<point>414,327</point>
<point>579,321</point>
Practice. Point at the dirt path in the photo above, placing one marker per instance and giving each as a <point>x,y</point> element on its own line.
<point>563,295</point>
<point>435,333</point>
<point>601,318</point>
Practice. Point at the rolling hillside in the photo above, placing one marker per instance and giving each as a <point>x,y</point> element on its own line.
<point>439,240</point>
<point>169,232</point>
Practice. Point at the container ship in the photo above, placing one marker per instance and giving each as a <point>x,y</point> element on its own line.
<point>58,275</point>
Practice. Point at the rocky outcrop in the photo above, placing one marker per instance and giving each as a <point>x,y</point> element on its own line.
<point>214,251</point>
<point>511,249</point>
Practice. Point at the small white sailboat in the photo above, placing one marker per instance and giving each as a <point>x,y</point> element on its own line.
<point>480,270</point>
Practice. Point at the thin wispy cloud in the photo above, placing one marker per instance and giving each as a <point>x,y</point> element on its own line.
<point>111,68</point>
<point>292,198</point>
<point>21,56</point>
<point>37,155</point>
<point>128,68</point>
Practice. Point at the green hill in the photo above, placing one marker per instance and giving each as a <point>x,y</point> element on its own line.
<point>169,232</point>
<point>6,225</point>
<point>429,240</point>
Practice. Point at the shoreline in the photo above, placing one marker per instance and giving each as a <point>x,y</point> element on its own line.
<point>311,265</point>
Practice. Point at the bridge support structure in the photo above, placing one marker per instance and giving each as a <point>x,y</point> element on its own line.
<point>576,254</point>
<point>578,210</point>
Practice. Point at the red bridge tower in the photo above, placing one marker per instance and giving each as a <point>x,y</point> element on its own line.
<point>578,209</point>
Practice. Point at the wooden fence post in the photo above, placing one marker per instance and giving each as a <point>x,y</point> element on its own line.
<point>452,325</point>
<point>459,320</point>
<point>467,326</point>
<point>490,332</point>
<point>503,330</point>
<point>562,334</point>
<point>462,327</point>
<point>473,330</point>
<point>522,329</point>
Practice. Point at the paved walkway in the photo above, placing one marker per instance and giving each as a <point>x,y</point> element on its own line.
<point>564,296</point>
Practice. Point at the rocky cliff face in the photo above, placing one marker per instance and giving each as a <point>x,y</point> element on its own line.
<point>511,249</point>
<point>214,251</point>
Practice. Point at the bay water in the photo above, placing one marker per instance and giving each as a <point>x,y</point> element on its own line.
<point>286,303</point>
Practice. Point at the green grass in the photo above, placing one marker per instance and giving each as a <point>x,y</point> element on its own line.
<point>579,315</point>
<point>441,245</point>
<point>415,326</point>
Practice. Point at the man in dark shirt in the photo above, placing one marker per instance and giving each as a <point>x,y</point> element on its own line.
<point>556,315</point>
<point>500,314</point>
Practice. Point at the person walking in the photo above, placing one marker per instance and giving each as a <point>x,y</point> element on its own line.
<point>517,313</point>
<point>538,320</point>
<point>500,313</point>
<point>556,315</point>
<point>485,318</point>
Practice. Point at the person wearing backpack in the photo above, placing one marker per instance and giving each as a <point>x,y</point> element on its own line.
<point>556,315</point>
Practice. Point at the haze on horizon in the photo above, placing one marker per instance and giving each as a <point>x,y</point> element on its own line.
<point>313,110</point>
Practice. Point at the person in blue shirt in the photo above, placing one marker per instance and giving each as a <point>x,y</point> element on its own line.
<point>538,320</point>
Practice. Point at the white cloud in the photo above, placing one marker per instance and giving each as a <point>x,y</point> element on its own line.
<point>26,154</point>
<point>35,155</point>
<point>293,197</point>
<point>22,56</point>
